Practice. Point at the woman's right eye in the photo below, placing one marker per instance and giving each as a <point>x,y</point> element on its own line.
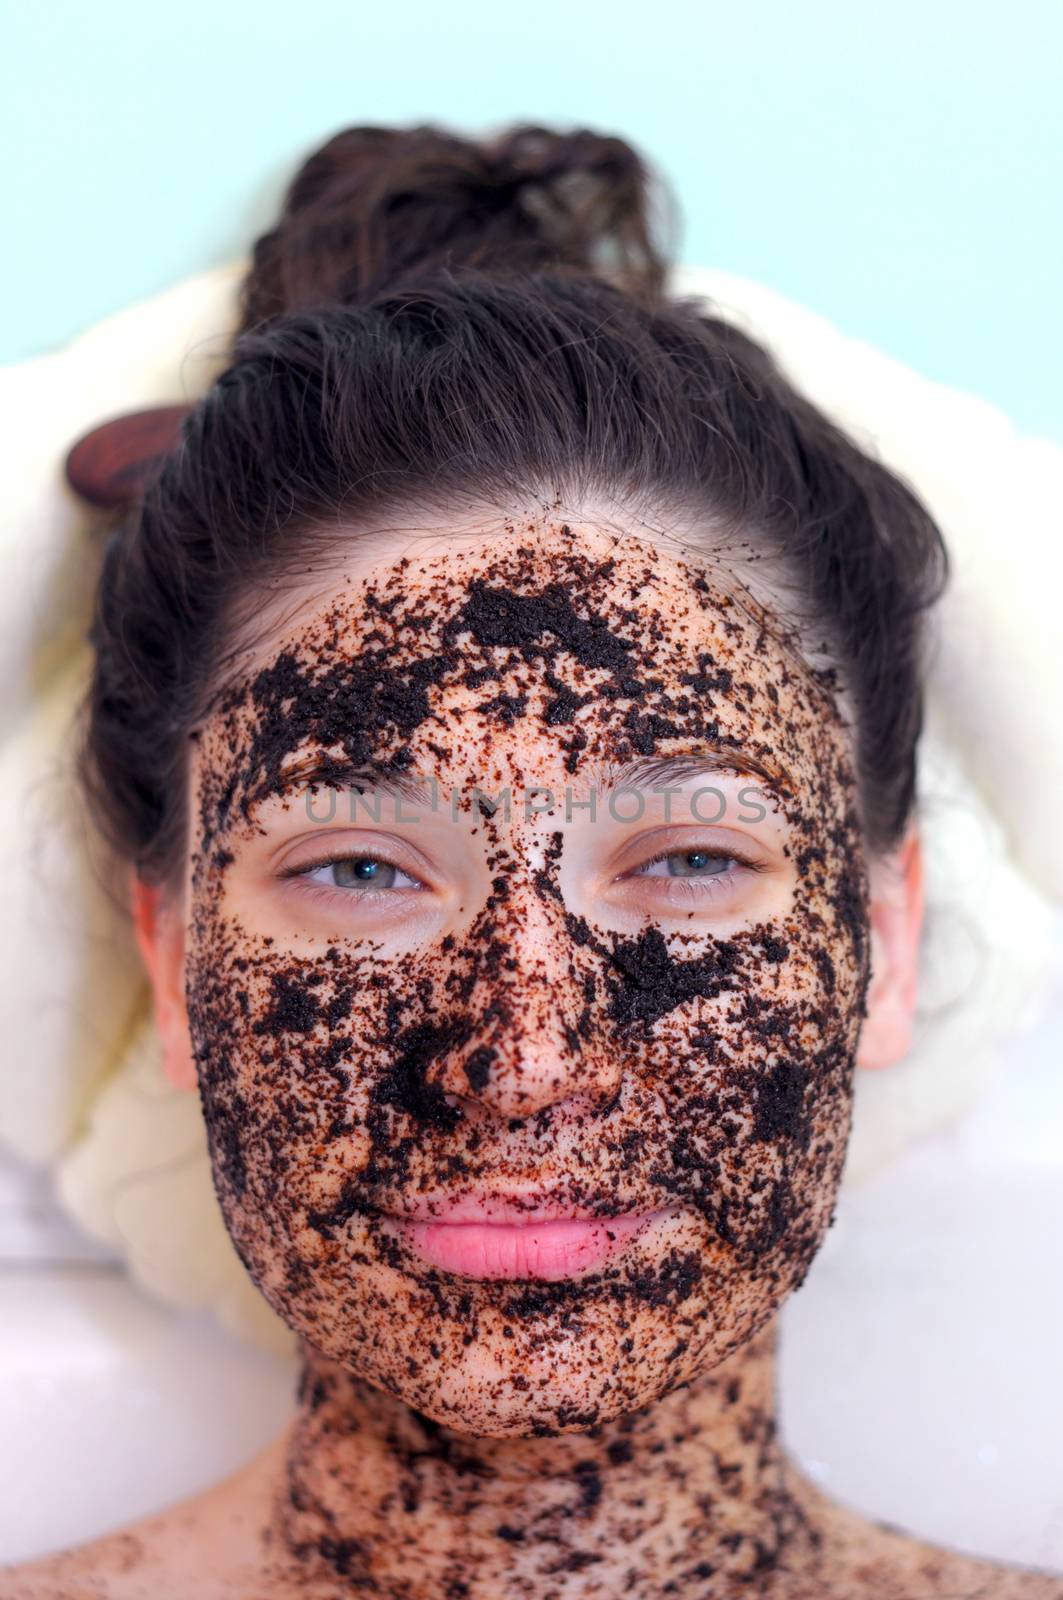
<point>361,873</point>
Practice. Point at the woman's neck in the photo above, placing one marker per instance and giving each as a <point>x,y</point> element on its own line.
<point>674,1499</point>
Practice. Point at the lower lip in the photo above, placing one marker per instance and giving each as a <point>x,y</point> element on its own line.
<point>545,1251</point>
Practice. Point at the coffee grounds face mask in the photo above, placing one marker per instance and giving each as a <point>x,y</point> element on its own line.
<point>631,991</point>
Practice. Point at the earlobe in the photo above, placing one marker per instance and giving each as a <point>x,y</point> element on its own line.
<point>160,940</point>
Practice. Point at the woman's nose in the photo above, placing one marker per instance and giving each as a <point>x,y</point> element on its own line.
<point>536,1008</point>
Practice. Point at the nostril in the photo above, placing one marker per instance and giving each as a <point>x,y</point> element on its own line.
<point>610,1101</point>
<point>478,1066</point>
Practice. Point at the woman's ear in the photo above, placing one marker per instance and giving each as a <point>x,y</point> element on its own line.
<point>161,940</point>
<point>896,883</point>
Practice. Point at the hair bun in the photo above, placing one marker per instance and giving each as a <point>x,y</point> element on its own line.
<point>377,209</point>
<point>533,154</point>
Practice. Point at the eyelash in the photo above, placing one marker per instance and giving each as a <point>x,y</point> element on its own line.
<point>330,891</point>
<point>678,887</point>
<point>698,888</point>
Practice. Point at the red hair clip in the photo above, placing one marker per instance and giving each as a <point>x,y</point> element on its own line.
<point>112,464</point>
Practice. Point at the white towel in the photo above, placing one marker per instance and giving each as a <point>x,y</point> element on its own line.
<point>82,1090</point>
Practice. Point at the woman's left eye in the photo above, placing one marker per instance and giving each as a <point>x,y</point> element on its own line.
<point>687,864</point>
<point>360,873</point>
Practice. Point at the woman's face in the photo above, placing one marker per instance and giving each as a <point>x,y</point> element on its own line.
<point>526,1109</point>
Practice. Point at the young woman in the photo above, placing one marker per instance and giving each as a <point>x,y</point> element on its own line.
<point>507,697</point>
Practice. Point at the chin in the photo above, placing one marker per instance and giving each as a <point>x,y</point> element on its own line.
<point>487,1397</point>
<point>555,1374</point>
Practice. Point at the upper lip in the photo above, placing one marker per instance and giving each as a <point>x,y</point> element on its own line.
<point>499,1208</point>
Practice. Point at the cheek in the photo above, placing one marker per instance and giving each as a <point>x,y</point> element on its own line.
<point>274,1035</point>
<point>742,1097</point>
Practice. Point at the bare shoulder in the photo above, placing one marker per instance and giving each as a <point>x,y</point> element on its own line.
<point>215,1533</point>
<point>876,1559</point>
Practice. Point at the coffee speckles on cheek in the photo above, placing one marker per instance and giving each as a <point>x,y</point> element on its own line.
<point>668,1070</point>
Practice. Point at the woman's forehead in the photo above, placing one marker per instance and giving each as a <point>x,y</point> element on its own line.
<point>517,587</point>
<point>556,650</point>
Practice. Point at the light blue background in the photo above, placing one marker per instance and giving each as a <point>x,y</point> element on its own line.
<point>898,168</point>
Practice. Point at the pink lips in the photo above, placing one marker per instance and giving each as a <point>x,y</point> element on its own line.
<point>497,1240</point>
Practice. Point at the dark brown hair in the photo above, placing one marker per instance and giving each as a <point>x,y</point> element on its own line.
<point>435,320</point>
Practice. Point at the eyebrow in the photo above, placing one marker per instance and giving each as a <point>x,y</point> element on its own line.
<point>319,767</point>
<point>647,772</point>
<point>710,756</point>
